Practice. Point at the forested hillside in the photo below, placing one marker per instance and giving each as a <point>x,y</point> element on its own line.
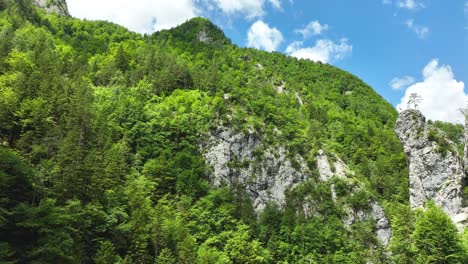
<point>102,135</point>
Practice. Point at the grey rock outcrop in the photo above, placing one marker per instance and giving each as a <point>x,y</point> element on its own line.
<point>53,6</point>
<point>340,169</point>
<point>266,172</point>
<point>382,224</point>
<point>434,174</point>
<point>242,159</point>
<point>376,212</point>
<point>203,37</point>
<point>323,166</point>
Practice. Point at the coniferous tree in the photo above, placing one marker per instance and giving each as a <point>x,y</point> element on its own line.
<point>402,240</point>
<point>436,238</point>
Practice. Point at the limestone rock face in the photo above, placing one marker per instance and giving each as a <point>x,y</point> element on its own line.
<point>382,224</point>
<point>340,169</point>
<point>376,212</point>
<point>323,166</point>
<point>54,6</point>
<point>267,172</point>
<point>433,174</point>
<point>242,159</point>
<point>203,37</point>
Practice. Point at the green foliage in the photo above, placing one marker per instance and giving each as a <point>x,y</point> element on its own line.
<point>425,236</point>
<point>401,244</point>
<point>102,133</point>
<point>16,179</point>
<point>436,239</point>
<point>192,31</point>
<point>166,257</point>
<point>16,188</point>
<point>3,4</point>
<point>464,238</point>
<point>454,132</point>
<point>241,249</point>
<point>106,254</point>
<point>442,144</point>
<point>210,255</point>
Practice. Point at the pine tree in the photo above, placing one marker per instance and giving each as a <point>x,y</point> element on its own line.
<point>166,257</point>
<point>401,242</point>
<point>436,238</point>
<point>106,254</point>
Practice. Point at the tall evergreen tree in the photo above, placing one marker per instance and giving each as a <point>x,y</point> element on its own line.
<point>436,238</point>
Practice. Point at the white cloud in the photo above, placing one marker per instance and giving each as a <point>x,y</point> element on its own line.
<point>144,16</point>
<point>421,31</point>
<point>409,4</point>
<point>313,28</point>
<point>400,83</point>
<point>405,4</point>
<point>261,36</point>
<point>324,50</point>
<point>442,95</point>
<point>250,8</point>
<point>276,3</point>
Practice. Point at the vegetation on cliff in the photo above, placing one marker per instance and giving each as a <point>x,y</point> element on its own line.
<point>100,158</point>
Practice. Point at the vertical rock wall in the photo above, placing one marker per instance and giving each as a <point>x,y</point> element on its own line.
<point>435,173</point>
<point>376,212</point>
<point>265,172</point>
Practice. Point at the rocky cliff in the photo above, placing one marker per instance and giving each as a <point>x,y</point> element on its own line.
<point>242,159</point>
<point>436,169</point>
<point>54,6</point>
<point>373,211</point>
<point>267,172</point>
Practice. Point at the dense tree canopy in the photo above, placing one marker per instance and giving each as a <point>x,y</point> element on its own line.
<point>100,160</point>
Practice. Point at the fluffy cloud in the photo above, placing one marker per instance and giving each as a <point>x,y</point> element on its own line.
<point>421,31</point>
<point>144,16</point>
<point>249,8</point>
<point>442,96</point>
<point>312,29</point>
<point>324,50</point>
<point>262,36</point>
<point>400,83</point>
<point>147,16</point>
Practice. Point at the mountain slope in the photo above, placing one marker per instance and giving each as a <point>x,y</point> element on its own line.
<point>182,147</point>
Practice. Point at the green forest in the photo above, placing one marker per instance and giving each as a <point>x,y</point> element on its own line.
<point>100,157</point>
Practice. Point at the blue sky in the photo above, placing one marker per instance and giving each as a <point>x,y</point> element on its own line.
<point>399,47</point>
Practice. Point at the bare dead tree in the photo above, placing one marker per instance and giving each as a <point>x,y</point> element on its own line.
<point>414,101</point>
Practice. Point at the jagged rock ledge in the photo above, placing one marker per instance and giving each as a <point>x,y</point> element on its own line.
<point>267,172</point>
<point>376,213</point>
<point>242,159</point>
<point>433,174</point>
